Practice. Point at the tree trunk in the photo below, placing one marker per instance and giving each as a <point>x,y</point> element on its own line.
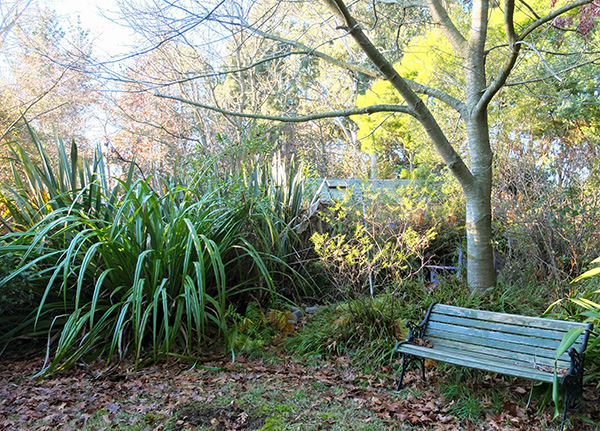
<point>481,274</point>
<point>373,173</point>
<point>476,182</point>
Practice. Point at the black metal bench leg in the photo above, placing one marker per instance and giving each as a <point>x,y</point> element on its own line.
<point>573,384</point>
<point>406,360</point>
<point>402,370</point>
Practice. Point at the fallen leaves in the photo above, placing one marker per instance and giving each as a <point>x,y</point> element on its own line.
<point>69,400</point>
<point>230,417</point>
<point>422,342</point>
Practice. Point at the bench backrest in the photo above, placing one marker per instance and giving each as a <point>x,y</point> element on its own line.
<point>533,340</point>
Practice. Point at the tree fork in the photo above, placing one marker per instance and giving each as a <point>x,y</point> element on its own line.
<point>477,188</point>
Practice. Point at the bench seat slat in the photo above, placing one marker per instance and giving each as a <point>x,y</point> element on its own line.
<point>494,335</point>
<point>458,358</point>
<point>507,327</point>
<point>520,356</point>
<point>536,322</point>
<point>459,339</point>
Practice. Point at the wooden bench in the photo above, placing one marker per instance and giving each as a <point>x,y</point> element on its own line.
<point>501,343</point>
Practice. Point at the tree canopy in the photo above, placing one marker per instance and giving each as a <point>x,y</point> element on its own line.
<point>421,83</point>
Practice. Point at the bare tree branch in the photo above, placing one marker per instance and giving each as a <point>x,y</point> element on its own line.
<point>452,159</point>
<point>10,14</point>
<point>300,119</point>
<point>545,77</point>
<point>440,14</point>
<point>220,73</point>
<point>539,22</point>
<point>544,62</point>
<point>31,104</point>
<point>405,3</point>
<point>518,40</point>
<point>530,9</point>
<point>329,59</point>
<point>175,34</point>
<point>454,103</point>
<point>416,87</point>
<point>509,23</point>
<point>509,61</point>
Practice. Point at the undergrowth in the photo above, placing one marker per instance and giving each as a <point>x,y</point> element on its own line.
<point>367,328</point>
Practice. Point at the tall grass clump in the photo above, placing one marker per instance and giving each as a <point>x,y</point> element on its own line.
<point>278,192</point>
<point>147,268</point>
<point>41,185</point>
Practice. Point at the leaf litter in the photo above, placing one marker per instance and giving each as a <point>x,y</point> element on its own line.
<point>248,395</point>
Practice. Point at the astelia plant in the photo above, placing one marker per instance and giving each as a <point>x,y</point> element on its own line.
<point>147,268</point>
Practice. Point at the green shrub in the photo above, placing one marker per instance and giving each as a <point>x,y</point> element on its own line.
<point>250,332</point>
<point>370,242</point>
<point>544,228</point>
<point>148,267</point>
<point>16,295</point>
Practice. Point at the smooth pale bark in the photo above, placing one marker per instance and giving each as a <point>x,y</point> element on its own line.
<point>481,273</point>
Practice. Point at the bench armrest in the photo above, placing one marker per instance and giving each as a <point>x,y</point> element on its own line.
<point>416,331</point>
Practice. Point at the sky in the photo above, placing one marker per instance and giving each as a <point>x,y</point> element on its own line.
<point>113,39</point>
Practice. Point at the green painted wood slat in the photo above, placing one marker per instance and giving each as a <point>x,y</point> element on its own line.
<point>475,349</point>
<point>536,322</point>
<point>459,359</point>
<point>494,335</point>
<point>500,327</point>
<point>460,339</point>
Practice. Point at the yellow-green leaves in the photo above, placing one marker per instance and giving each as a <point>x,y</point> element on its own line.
<point>427,60</point>
<point>590,273</point>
